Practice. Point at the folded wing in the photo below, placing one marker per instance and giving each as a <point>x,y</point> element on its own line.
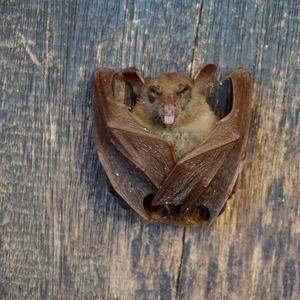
<point>136,161</point>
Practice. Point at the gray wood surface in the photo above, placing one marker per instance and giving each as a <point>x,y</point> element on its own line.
<point>61,235</point>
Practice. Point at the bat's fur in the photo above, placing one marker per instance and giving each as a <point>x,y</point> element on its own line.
<point>194,120</point>
<point>161,213</point>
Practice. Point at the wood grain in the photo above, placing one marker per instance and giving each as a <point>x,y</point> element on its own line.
<point>61,235</point>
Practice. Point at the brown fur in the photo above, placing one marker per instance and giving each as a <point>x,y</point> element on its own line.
<point>159,214</point>
<point>194,119</point>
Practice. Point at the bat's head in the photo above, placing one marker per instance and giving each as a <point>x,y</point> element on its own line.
<point>166,96</point>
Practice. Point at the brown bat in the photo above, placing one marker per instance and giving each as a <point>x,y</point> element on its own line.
<point>171,159</point>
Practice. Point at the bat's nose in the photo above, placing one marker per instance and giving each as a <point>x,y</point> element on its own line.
<point>169,109</point>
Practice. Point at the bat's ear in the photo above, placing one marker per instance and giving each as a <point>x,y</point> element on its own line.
<point>136,81</point>
<point>203,77</point>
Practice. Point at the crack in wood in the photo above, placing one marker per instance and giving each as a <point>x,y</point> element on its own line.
<point>180,265</point>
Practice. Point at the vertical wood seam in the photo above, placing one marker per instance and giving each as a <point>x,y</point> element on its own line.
<point>196,37</point>
<point>180,265</point>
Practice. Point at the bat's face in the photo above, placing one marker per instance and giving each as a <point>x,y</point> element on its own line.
<point>167,95</point>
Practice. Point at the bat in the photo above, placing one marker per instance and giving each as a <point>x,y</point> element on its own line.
<point>162,160</point>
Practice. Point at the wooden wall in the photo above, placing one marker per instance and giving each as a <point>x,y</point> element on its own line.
<point>61,235</point>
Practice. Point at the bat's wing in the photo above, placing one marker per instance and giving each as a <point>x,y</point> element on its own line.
<point>136,161</point>
<point>207,175</point>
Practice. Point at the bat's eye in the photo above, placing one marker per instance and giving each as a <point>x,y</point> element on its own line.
<point>151,99</point>
<point>153,94</point>
<point>184,90</point>
<point>154,91</point>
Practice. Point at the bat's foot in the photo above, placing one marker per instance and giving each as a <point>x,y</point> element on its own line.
<point>108,186</point>
<point>122,202</point>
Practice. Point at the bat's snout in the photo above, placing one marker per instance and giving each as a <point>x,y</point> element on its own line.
<point>169,112</point>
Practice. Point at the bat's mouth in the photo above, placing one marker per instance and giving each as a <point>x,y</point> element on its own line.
<point>169,119</point>
<point>169,113</point>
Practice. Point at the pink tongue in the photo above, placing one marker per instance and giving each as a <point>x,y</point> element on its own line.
<point>169,119</point>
